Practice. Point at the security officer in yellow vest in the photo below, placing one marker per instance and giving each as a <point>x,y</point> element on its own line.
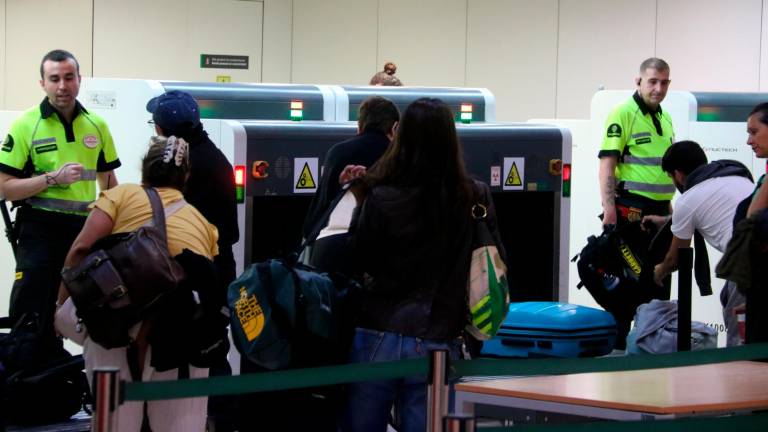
<point>637,133</point>
<point>50,161</point>
<point>632,183</point>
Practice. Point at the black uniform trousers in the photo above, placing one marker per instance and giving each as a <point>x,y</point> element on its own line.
<point>630,209</point>
<point>44,240</point>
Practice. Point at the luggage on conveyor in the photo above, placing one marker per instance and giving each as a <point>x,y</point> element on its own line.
<point>551,329</point>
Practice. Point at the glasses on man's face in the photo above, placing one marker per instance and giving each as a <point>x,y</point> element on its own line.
<point>151,124</point>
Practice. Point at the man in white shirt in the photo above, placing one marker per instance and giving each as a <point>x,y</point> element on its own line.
<point>710,193</point>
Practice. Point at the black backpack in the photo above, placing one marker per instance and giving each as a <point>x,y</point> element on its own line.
<point>618,276</point>
<point>40,382</point>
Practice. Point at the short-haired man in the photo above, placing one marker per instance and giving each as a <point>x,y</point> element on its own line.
<point>376,122</point>
<point>50,162</point>
<point>637,133</point>
<point>710,193</point>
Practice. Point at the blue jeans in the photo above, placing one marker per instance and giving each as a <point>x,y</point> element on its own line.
<point>370,402</point>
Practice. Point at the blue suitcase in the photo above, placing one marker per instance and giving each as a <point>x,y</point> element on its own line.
<point>551,329</point>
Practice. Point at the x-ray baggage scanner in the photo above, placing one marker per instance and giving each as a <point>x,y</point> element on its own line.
<point>122,103</point>
<point>469,105</point>
<point>527,166</point>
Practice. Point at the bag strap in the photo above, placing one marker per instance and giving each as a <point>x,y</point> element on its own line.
<point>160,214</point>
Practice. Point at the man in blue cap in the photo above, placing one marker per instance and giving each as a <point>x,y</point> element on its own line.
<point>211,189</point>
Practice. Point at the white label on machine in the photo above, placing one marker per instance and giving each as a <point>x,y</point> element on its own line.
<point>514,173</point>
<point>305,176</point>
<point>495,176</point>
<point>101,99</point>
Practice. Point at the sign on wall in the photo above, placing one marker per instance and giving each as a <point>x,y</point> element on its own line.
<point>222,61</point>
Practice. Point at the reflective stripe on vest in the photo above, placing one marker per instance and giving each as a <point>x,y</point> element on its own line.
<point>646,161</point>
<point>59,204</point>
<point>648,187</point>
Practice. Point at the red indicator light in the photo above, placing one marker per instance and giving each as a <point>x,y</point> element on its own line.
<point>239,175</point>
<point>466,107</point>
<point>297,105</point>
<point>566,172</point>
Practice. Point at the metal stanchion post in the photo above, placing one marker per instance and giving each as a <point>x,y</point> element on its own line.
<point>437,390</point>
<point>458,423</point>
<point>106,392</point>
<point>684,282</point>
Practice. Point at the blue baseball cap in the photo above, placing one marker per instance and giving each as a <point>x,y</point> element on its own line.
<point>174,111</point>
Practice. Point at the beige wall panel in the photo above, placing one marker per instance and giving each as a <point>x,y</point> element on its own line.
<point>711,45</point>
<point>601,43</point>
<point>764,49</point>
<point>334,41</point>
<point>26,44</point>
<point>137,40</point>
<point>3,81</point>
<point>427,40</point>
<point>512,50</point>
<point>278,36</point>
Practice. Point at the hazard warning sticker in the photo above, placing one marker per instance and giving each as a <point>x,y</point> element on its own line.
<point>514,174</point>
<point>495,176</point>
<point>305,175</point>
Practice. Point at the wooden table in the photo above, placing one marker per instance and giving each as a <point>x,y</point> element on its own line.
<point>630,395</point>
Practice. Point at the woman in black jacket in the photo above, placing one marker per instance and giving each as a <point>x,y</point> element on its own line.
<point>413,245</point>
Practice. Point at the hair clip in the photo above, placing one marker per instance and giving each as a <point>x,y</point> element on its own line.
<point>182,150</point>
<point>170,145</point>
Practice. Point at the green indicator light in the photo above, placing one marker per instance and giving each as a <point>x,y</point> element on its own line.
<point>239,194</point>
<point>297,115</point>
<point>466,117</point>
<point>567,189</point>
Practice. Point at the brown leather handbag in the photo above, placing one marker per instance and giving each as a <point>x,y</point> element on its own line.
<point>124,278</point>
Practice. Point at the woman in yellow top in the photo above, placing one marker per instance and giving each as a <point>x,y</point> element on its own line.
<point>124,209</point>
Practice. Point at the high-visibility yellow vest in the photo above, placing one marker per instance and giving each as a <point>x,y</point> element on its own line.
<point>39,142</point>
<point>631,135</point>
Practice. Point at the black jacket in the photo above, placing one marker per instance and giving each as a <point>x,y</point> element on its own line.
<point>415,261</point>
<point>718,168</point>
<point>363,149</point>
<point>211,189</point>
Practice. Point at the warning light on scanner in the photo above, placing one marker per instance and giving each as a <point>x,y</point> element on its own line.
<point>259,170</point>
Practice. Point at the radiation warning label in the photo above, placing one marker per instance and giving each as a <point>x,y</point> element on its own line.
<point>513,176</point>
<point>305,175</point>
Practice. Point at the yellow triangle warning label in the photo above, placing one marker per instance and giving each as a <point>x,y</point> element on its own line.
<point>306,181</point>
<point>513,178</point>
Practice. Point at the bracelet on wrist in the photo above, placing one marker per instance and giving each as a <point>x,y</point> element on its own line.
<point>50,180</point>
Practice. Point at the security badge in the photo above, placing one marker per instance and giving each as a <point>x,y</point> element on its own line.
<point>634,214</point>
<point>614,131</point>
<point>90,141</point>
<point>8,144</point>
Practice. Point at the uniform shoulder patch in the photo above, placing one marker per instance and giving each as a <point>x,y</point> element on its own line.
<point>8,144</point>
<point>614,131</point>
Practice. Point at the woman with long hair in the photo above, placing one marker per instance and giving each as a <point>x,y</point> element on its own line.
<point>413,245</point>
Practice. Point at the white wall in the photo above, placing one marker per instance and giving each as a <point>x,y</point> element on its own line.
<point>2,56</point>
<point>512,50</point>
<point>714,46</point>
<point>601,44</point>
<point>163,48</point>
<point>31,30</point>
<point>542,58</point>
<point>329,46</point>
